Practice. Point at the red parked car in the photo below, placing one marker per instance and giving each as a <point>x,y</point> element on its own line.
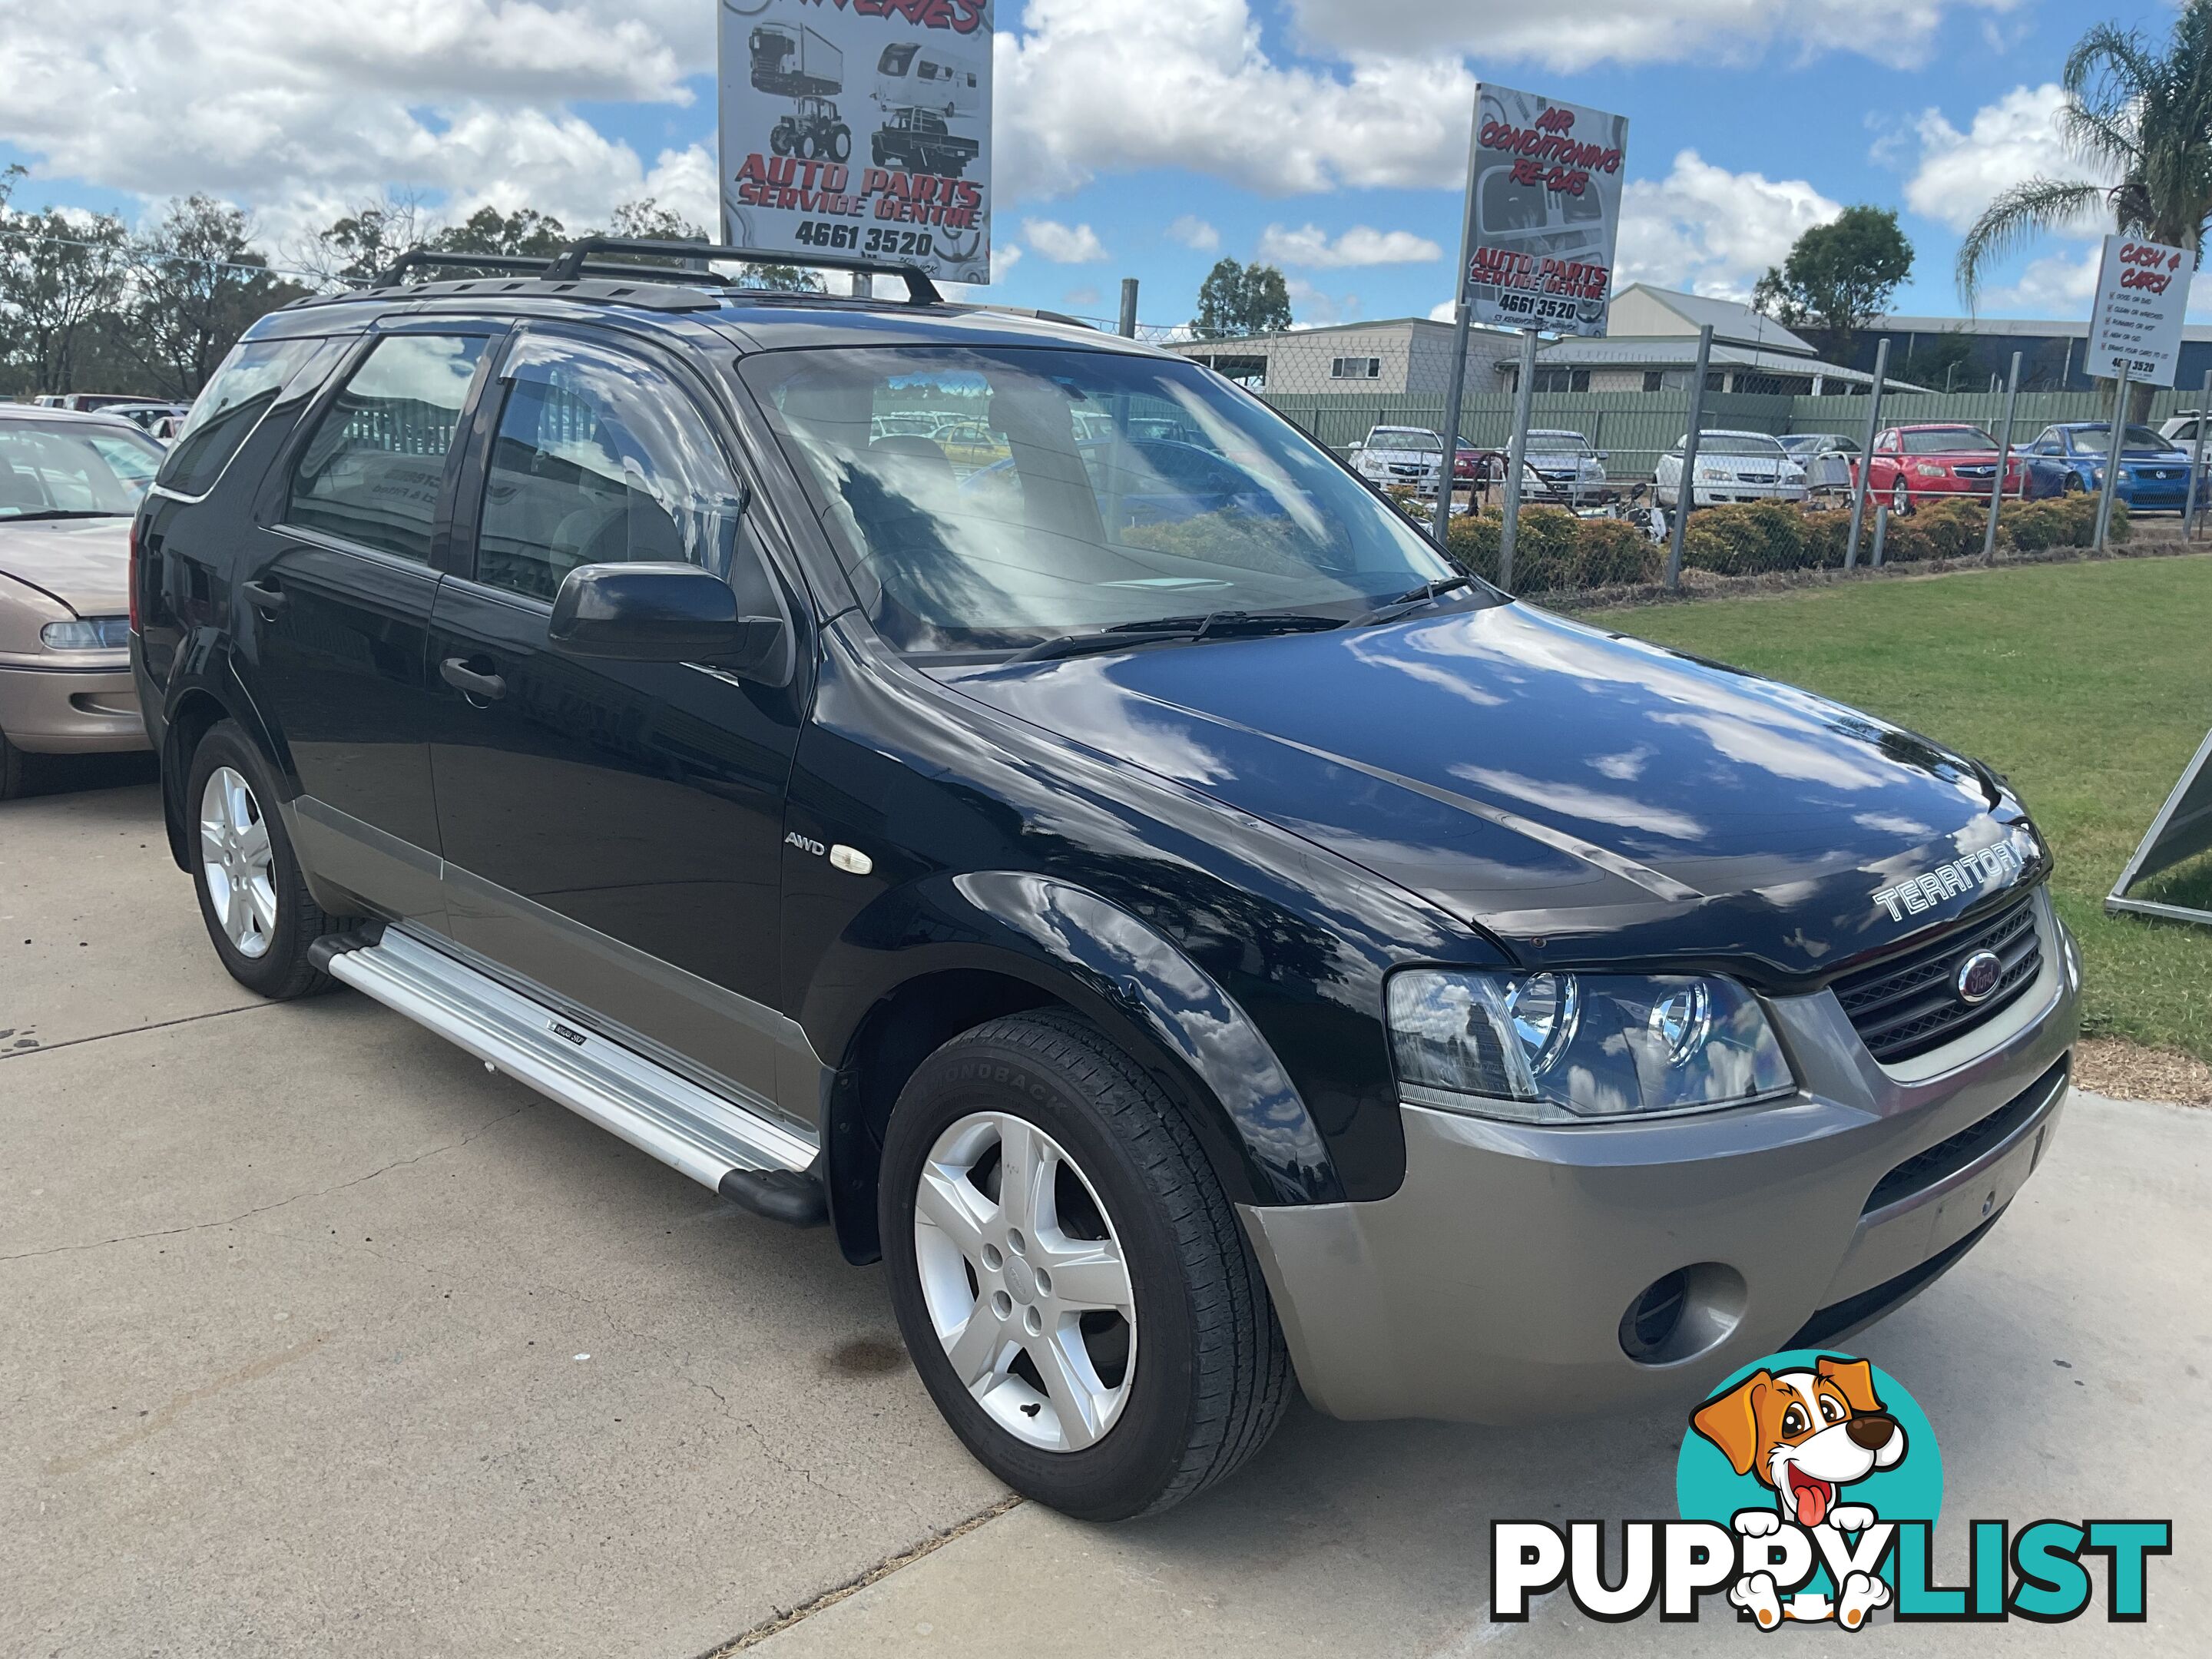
<point>1914,463</point>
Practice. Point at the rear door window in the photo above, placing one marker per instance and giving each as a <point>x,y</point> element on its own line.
<point>601,458</point>
<point>374,468</point>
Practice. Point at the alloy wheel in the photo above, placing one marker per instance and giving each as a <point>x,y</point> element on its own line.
<point>238,863</point>
<point>1025,1281</point>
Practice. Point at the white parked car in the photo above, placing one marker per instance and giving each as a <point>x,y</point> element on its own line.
<point>1400,455</point>
<point>1732,466</point>
<point>1566,461</point>
<point>2181,430</point>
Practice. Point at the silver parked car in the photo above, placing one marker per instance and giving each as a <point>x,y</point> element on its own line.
<point>1827,459</point>
<point>68,484</point>
<point>1732,466</point>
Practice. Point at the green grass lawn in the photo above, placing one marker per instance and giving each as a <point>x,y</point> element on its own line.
<point>2089,686</point>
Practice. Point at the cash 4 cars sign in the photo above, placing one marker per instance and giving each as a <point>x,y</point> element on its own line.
<point>2143,289</point>
<point>860,128</point>
<point>1543,211</point>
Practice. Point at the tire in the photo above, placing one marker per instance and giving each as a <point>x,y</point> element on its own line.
<point>1204,1377</point>
<point>11,769</point>
<point>1900,499</point>
<point>266,955</point>
<point>778,140</point>
<point>840,143</point>
<point>2071,484</point>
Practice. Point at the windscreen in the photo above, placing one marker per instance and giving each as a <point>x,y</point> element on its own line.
<point>1558,443</point>
<point>1062,492</point>
<point>1736,443</point>
<point>1949,440</point>
<point>2095,438</point>
<point>73,469</point>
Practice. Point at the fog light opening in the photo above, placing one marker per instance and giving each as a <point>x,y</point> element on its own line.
<point>1683,1314</point>
<point>1654,1316</point>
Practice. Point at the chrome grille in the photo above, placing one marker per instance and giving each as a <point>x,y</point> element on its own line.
<point>1906,1005</point>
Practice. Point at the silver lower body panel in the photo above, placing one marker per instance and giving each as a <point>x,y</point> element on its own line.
<point>689,1128</point>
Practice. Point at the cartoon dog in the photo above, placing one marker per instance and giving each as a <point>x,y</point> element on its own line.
<point>1807,1435</point>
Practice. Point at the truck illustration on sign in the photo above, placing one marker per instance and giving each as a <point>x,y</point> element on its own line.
<point>792,61</point>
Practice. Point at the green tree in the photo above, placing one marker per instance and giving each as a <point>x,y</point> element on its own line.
<point>2134,112</point>
<point>196,284</point>
<point>523,233</point>
<point>360,246</point>
<point>61,275</point>
<point>1839,277</point>
<point>1239,299</point>
<point>647,219</point>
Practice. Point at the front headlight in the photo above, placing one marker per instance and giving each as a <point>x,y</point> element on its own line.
<point>1558,1048</point>
<point>92,634</point>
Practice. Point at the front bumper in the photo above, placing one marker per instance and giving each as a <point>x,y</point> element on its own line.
<point>70,711</point>
<point>1491,1286</point>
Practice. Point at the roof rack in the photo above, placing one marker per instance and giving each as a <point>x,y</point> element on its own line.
<point>580,259</point>
<point>920,290</point>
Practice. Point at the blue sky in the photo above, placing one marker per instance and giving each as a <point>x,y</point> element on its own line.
<point>1135,138</point>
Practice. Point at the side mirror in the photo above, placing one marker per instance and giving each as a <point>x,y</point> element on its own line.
<point>661,613</point>
<point>1605,455</point>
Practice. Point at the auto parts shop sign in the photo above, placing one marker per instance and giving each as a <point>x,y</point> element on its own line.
<point>859,128</point>
<point>1544,181</point>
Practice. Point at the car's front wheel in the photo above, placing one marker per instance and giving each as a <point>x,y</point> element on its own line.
<point>252,895</point>
<point>1900,500</point>
<point>1069,1277</point>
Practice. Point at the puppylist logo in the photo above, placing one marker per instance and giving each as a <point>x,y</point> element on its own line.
<point>1808,1485</point>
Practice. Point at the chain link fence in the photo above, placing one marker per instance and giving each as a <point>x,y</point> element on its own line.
<point>1602,434</point>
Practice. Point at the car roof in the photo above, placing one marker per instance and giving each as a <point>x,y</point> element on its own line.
<point>81,417</point>
<point>1939,426</point>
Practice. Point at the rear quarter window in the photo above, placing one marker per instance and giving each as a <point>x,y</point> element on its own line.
<point>232,403</point>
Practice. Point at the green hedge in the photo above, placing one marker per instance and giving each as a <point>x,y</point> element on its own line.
<point>1558,551</point>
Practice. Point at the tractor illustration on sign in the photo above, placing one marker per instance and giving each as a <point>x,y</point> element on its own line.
<point>813,131</point>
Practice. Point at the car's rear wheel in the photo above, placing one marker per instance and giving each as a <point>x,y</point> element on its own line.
<point>1070,1278</point>
<point>252,896</point>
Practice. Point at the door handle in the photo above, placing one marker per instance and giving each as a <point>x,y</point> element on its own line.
<point>265,599</point>
<point>457,673</point>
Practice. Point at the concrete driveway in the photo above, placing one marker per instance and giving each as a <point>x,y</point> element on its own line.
<point>321,1340</point>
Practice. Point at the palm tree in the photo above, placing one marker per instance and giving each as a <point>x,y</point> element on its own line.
<point>2132,113</point>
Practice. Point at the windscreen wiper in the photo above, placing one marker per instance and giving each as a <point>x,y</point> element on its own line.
<point>1412,600</point>
<point>1215,625</point>
<point>62,513</point>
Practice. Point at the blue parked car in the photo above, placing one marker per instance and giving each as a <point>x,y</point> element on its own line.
<point>2154,471</point>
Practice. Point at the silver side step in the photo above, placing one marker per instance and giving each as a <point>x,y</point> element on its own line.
<point>716,1141</point>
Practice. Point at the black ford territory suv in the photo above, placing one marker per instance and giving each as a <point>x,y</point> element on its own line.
<point>1000,790</point>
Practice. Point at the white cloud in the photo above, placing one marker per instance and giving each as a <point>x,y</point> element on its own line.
<point>1572,37</point>
<point>1360,246</point>
<point>1444,311</point>
<point>1194,232</point>
<point>1086,86</point>
<point>1312,308</point>
<point>298,107</point>
<point>1704,228</point>
<point>1960,174</point>
<point>1064,246</point>
<point>2056,285</point>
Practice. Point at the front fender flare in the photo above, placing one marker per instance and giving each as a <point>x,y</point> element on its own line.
<point>1182,1007</point>
<point>1114,968</point>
